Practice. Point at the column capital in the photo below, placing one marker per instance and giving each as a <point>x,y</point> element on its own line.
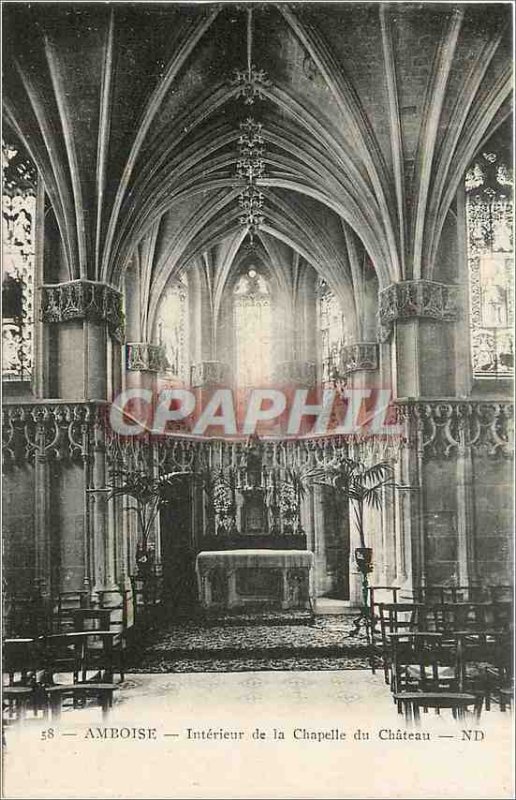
<point>83,300</point>
<point>360,356</point>
<point>419,298</point>
<point>210,373</point>
<point>302,373</point>
<point>145,357</point>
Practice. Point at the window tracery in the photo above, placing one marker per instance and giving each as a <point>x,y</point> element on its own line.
<point>331,332</point>
<point>172,328</point>
<point>489,214</point>
<point>18,224</point>
<point>253,323</point>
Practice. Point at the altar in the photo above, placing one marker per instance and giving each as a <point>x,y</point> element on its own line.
<point>265,578</point>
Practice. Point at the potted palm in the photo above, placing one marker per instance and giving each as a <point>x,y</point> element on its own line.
<point>363,485</point>
<point>151,494</point>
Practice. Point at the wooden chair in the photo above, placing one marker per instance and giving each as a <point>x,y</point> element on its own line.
<point>88,619</point>
<point>67,603</point>
<point>376,596</point>
<point>435,594</point>
<point>23,672</point>
<point>15,702</point>
<point>427,674</point>
<point>21,661</point>
<point>79,666</point>
<point>100,619</point>
<point>80,693</point>
<point>394,618</point>
<point>410,704</point>
<point>26,616</point>
<point>420,662</point>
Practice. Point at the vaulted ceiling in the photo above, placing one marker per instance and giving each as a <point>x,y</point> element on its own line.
<point>371,115</point>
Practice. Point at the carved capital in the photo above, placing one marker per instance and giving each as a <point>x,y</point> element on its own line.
<point>409,299</point>
<point>301,373</point>
<point>210,373</point>
<point>83,300</point>
<point>359,356</point>
<point>145,357</point>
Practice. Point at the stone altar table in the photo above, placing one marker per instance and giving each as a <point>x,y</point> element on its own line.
<point>267,578</point>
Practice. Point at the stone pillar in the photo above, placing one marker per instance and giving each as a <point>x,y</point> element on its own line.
<point>465,508</point>
<point>419,317</point>
<point>389,565</point>
<point>418,313</point>
<point>143,362</point>
<point>319,541</point>
<point>103,538</point>
<point>44,567</point>
<point>206,376</point>
<point>297,373</point>
<point>355,576</point>
<point>81,320</point>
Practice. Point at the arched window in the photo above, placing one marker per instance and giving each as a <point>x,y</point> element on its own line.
<point>331,332</point>
<point>489,210</point>
<point>172,327</point>
<point>253,322</point>
<point>18,223</point>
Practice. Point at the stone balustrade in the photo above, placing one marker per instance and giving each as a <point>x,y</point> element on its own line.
<point>54,429</point>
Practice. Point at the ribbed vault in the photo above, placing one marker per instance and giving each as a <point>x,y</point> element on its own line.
<point>371,117</point>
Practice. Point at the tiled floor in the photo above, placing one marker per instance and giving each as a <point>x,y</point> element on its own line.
<point>218,735</point>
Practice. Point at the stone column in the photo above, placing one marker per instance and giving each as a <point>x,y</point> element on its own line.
<point>355,576</point>
<point>296,373</point>
<point>465,507</point>
<point>143,362</point>
<point>319,541</point>
<point>43,570</point>
<point>418,315</point>
<point>82,321</point>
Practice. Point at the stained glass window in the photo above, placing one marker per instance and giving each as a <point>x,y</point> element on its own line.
<point>489,210</point>
<point>331,332</point>
<point>18,221</point>
<point>172,327</point>
<point>253,323</point>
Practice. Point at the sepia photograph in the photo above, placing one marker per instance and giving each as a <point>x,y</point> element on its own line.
<point>257,400</point>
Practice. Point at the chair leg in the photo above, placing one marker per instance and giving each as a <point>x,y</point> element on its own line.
<point>55,705</point>
<point>106,701</point>
<point>386,670</point>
